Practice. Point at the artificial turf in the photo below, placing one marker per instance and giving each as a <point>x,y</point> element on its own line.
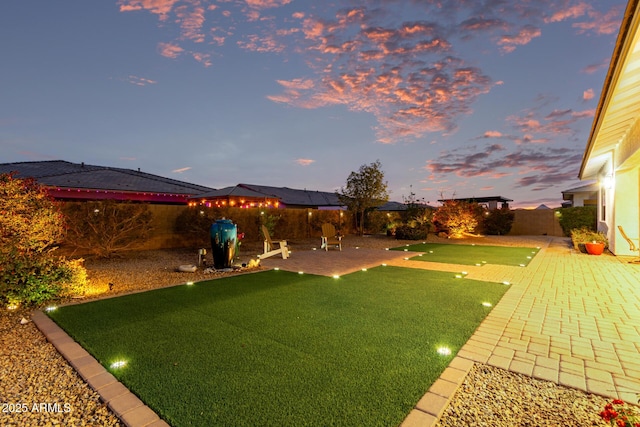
<point>471,254</point>
<point>279,348</point>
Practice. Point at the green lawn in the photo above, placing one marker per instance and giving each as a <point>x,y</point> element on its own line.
<point>471,254</point>
<point>283,349</point>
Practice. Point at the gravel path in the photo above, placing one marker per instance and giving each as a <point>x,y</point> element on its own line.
<point>32,371</point>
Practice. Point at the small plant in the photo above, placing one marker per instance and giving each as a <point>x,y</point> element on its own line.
<point>618,413</point>
<point>580,236</point>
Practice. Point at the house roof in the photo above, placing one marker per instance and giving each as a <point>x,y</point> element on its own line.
<point>618,107</point>
<point>63,175</point>
<point>481,199</point>
<point>589,188</point>
<point>293,197</point>
<point>286,196</point>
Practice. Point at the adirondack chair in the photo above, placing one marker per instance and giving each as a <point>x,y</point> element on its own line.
<point>270,246</point>
<point>632,245</point>
<point>330,237</point>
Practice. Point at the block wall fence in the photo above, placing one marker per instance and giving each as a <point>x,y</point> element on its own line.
<point>293,224</point>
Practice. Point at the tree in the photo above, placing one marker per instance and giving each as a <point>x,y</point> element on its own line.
<point>365,189</point>
<point>458,217</point>
<point>107,227</point>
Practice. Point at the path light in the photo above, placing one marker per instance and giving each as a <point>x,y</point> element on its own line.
<point>406,250</point>
<point>478,265</point>
<point>458,276</point>
<point>444,351</point>
<point>300,272</point>
<point>522,265</point>
<point>386,249</point>
<point>384,265</point>
<point>189,283</point>
<point>50,308</point>
<point>465,273</point>
<point>419,254</point>
<point>528,257</point>
<point>335,276</point>
<point>406,259</point>
<point>486,304</point>
<point>364,269</point>
<point>276,268</point>
<point>430,252</point>
<point>506,283</point>
<point>118,364</point>
<point>12,306</point>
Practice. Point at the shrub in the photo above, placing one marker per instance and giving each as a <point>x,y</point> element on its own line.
<point>498,221</point>
<point>33,280</point>
<point>30,221</point>
<point>577,217</point>
<point>407,232</point>
<point>30,225</point>
<point>107,227</point>
<point>458,217</point>
<point>586,235</point>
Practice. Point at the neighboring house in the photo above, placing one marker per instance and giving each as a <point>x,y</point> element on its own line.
<point>490,202</point>
<point>252,195</point>
<point>78,181</point>
<point>586,195</point>
<point>612,155</point>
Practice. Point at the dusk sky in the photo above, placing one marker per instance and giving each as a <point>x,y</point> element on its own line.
<point>457,98</point>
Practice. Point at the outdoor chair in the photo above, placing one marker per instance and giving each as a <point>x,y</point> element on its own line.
<point>632,246</point>
<point>270,246</point>
<point>330,237</point>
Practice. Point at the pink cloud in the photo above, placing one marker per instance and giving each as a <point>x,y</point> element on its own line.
<point>159,7</point>
<point>169,50</point>
<point>304,162</point>
<point>181,170</point>
<point>569,12</point>
<point>524,36</point>
<point>588,94</point>
<point>601,23</point>
<point>266,4</point>
<point>593,68</point>
<point>492,134</point>
<point>140,81</point>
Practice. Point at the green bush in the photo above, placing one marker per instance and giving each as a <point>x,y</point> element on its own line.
<point>407,232</point>
<point>32,280</point>
<point>577,217</point>
<point>30,226</point>
<point>498,222</point>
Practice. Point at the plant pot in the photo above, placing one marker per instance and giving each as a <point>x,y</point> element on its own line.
<point>594,248</point>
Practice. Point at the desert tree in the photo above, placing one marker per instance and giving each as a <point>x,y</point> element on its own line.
<point>364,190</point>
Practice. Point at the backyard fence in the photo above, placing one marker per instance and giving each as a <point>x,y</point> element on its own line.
<point>179,226</point>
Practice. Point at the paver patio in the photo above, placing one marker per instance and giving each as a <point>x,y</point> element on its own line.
<point>569,318</point>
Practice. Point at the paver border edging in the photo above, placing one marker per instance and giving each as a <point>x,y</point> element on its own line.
<point>124,404</point>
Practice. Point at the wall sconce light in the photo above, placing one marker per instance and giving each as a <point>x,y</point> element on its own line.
<point>607,182</point>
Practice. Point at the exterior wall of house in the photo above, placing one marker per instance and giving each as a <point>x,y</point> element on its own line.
<point>584,199</point>
<point>626,211</point>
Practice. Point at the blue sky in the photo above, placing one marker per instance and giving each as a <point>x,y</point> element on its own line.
<point>456,98</point>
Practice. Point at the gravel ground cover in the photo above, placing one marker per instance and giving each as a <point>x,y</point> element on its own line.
<point>32,371</point>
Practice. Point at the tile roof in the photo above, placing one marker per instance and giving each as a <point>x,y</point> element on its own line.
<point>63,174</point>
<point>290,196</point>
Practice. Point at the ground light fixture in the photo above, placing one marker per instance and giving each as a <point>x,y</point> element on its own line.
<point>300,272</point>
<point>50,308</point>
<point>335,276</point>
<point>364,269</point>
<point>118,364</point>
<point>486,304</point>
<point>189,283</point>
<point>444,351</point>
<point>12,306</point>
<point>506,283</point>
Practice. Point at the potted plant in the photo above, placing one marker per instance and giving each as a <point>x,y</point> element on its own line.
<point>588,241</point>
